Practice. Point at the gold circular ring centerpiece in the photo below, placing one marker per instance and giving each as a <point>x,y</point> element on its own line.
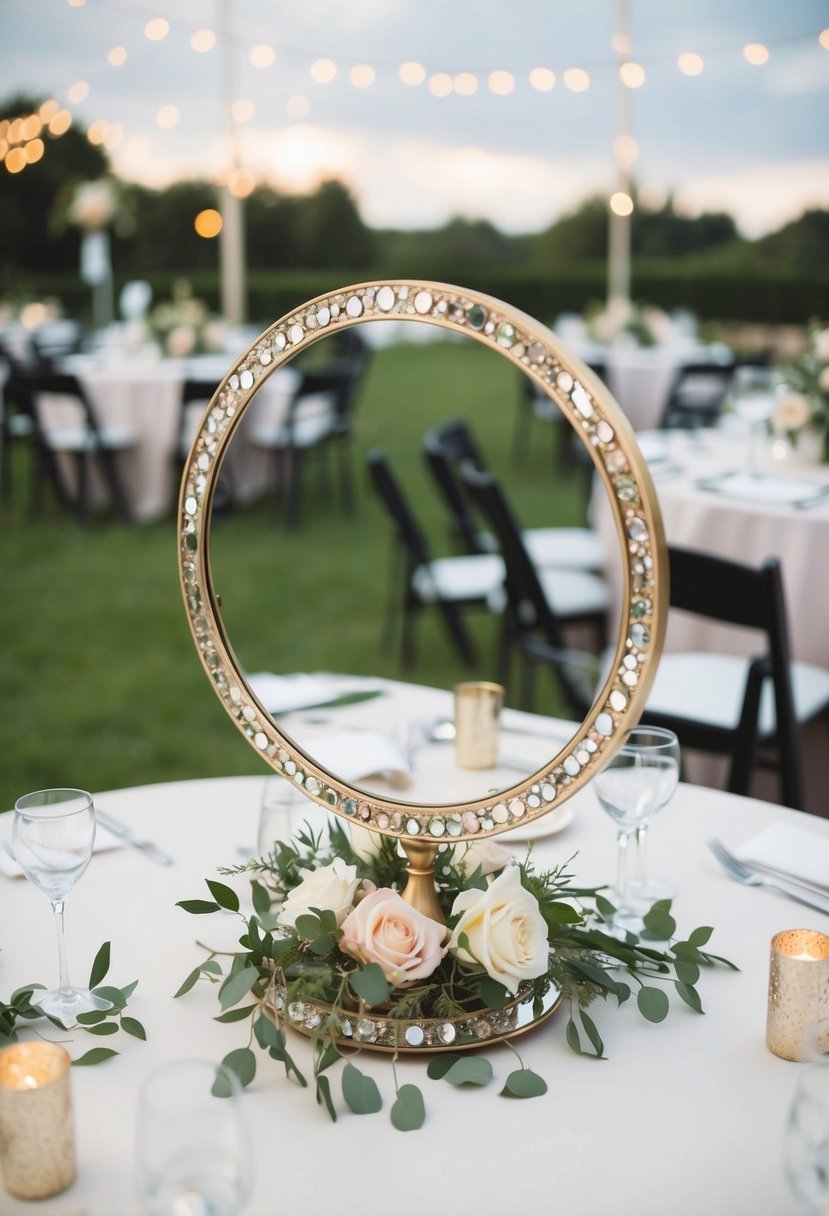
<point>608,438</point>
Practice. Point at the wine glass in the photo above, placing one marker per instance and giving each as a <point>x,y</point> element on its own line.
<point>806,1140</point>
<point>54,831</point>
<point>632,787</point>
<point>192,1151</point>
<point>752,397</point>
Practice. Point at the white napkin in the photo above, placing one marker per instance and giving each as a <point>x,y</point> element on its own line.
<point>279,694</point>
<point>355,754</point>
<point>782,490</point>
<point>104,839</point>
<point>790,850</point>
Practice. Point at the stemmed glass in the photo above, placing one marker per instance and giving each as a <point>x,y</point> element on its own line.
<point>632,787</point>
<point>54,831</point>
<point>192,1151</point>
<point>806,1141</point>
<point>752,397</point>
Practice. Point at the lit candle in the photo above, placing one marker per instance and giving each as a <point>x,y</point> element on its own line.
<point>37,1143</point>
<point>798,990</point>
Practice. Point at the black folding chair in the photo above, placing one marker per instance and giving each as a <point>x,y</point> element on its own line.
<point>537,608</point>
<point>749,709</point>
<point>697,395</point>
<point>449,583</point>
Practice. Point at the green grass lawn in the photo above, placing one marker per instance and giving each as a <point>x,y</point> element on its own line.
<point>100,684</point>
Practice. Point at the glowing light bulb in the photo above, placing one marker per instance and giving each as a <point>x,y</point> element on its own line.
<point>412,73</point>
<point>690,64</point>
<point>157,28</point>
<point>117,56</point>
<point>208,223</point>
<point>323,70</point>
<point>362,76</point>
<point>440,84</point>
<point>263,56</point>
<point>542,79</point>
<point>465,84</point>
<point>621,203</point>
<point>632,74</point>
<point>501,82</point>
<point>203,41</point>
<point>577,80</point>
<point>755,53</point>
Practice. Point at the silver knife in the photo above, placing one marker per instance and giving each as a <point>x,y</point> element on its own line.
<point>124,833</point>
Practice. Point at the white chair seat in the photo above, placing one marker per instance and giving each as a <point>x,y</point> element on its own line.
<point>82,439</point>
<point>574,592</point>
<point>571,548</point>
<point>709,688</point>
<point>314,421</point>
<point>468,577</point>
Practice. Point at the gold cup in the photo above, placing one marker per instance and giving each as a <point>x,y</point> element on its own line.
<point>37,1139</point>
<point>798,990</point>
<point>477,708</point>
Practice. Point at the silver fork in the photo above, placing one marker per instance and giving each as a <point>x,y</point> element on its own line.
<point>744,874</point>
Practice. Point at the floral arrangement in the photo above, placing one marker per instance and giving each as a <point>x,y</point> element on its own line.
<point>93,205</point>
<point>623,322</point>
<point>331,935</point>
<point>803,405</point>
<point>183,326</point>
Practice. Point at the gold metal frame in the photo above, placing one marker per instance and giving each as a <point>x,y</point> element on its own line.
<point>607,436</point>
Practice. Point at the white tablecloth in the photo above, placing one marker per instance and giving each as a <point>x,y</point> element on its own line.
<point>686,1117</point>
<point>146,398</point>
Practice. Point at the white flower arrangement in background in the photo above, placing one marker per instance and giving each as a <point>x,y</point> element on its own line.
<point>802,407</point>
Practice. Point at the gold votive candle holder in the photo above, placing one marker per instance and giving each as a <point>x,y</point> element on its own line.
<point>37,1138</point>
<point>477,709</point>
<point>798,990</point>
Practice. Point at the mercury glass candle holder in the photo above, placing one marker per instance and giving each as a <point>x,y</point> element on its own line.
<point>798,990</point>
<point>37,1139</point>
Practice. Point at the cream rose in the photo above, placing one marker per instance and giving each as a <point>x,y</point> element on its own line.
<point>821,343</point>
<point>365,844</point>
<point>384,929</point>
<point>791,412</point>
<point>487,855</point>
<point>330,887</point>
<point>506,932</point>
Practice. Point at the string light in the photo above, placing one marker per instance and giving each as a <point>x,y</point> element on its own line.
<point>242,111</point>
<point>15,160</point>
<point>48,110</point>
<point>117,56</point>
<point>756,53</point>
<point>465,84</point>
<point>241,183</point>
<point>542,79</point>
<point>78,92</point>
<point>168,116</point>
<point>412,73</point>
<point>323,70</point>
<point>823,39</point>
<point>31,127</point>
<point>263,56</point>
<point>440,84</point>
<point>33,151</point>
<point>621,203</point>
<point>60,123</point>
<point>203,41</point>
<point>577,80</point>
<point>97,133</point>
<point>157,28</point>
<point>690,64</point>
<point>362,76</point>
<point>502,83</point>
<point>208,223</point>
<point>632,75</point>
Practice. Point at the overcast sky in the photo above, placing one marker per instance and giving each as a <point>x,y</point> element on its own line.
<point>749,139</point>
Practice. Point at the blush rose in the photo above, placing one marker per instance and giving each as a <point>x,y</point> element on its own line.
<point>384,929</point>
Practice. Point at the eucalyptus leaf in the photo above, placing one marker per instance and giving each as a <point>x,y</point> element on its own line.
<point>102,1028</point>
<point>690,996</point>
<point>686,973</point>
<point>22,996</point>
<point>197,907</point>
<point>592,1032</point>
<point>328,1056</point>
<point>114,995</point>
<point>653,1004</point>
<point>211,967</point>
<point>571,1034</point>
<point>524,1083</point>
<point>408,1113</point>
<point>242,1062</point>
<point>97,1055</point>
<point>324,1096</point>
<point>559,913</point>
<point>224,896</point>
<point>237,985</point>
<point>470,1070</point>
<point>493,994</point>
<point>261,897</point>
<point>190,982</point>
<point>92,1018</point>
<point>360,1091</point>
<point>440,1065</point>
<point>134,1027</point>
<point>128,990</point>
<point>236,1015</point>
<point>267,1034</point>
<point>659,924</point>
<point>322,945</point>
<point>369,984</point>
<point>701,936</point>
<point>100,965</point>
<point>308,926</point>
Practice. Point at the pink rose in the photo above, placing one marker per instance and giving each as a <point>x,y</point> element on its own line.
<point>384,929</point>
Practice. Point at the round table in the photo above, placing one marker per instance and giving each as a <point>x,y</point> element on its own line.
<point>684,1117</point>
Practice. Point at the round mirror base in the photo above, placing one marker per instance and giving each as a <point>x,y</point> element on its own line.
<point>378,1030</point>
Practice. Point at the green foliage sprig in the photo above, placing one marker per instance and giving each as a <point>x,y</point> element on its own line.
<point>20,1009</point>
<point>586,962</point>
